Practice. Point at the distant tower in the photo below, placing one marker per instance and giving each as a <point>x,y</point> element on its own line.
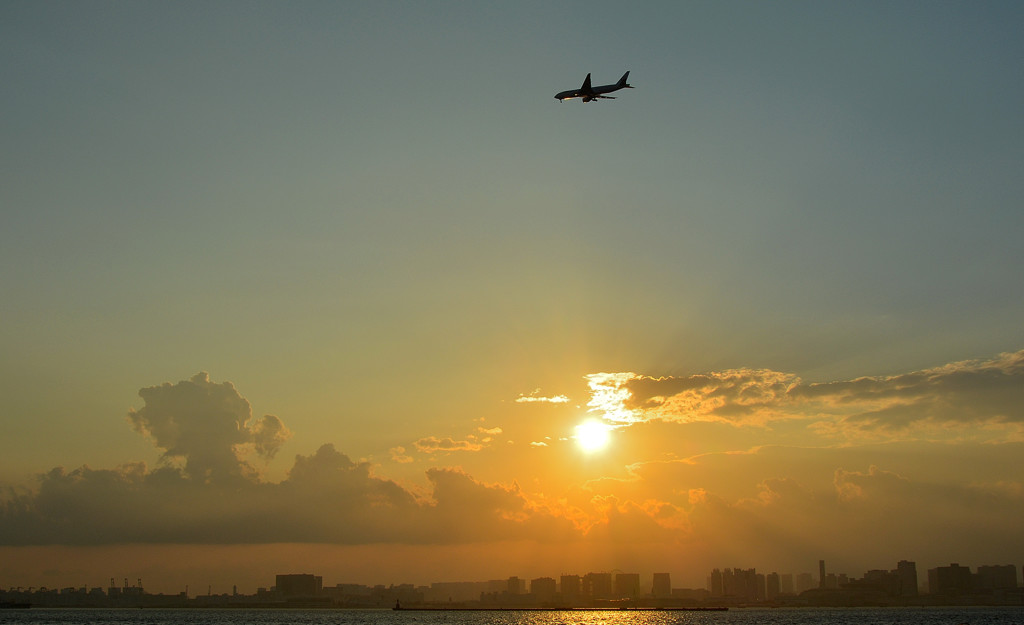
<point>821,573</point>
<point>907,573</point>
<point>662,586</point>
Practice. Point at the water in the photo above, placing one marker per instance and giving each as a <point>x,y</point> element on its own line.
<point>790,616</point>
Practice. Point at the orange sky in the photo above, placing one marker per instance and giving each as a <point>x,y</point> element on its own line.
<point>751,468</point>
<point>329,288</point>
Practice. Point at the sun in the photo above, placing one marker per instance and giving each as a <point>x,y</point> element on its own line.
<point>592,435</point>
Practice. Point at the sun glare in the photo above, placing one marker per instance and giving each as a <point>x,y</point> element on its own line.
<point>592,435</point>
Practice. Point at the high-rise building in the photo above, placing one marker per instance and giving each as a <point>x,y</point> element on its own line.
<point>996,577</point>
<point>821,573</point>
<point>949,580</point>
<point>597,585</point>
<point>773,586</point>
<point>571,587</point>
<point>300,585</point>
<point>627,585</point>
<point>907,573</point>
<point>662,586</point>
<point>742,584</point>
<point>543,589</point>
<point>804,581</point>
<point>715,584</point>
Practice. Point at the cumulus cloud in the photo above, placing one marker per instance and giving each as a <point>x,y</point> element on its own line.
<point>327,497</point>
<point>671,478</point>
<point>205,424</point>
<point>215,498</point>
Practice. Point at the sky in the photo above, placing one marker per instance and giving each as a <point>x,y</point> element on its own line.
<point>330,287</point>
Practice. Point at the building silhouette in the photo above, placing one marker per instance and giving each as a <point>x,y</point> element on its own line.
<point>715,585</point>
<point>907,573</point>
<point>627,586</point>
<point>950,580</point>
<point>804,581</point>
<point>786,585</point>
<point>299,585</point>
<point>743,585</point>
<point>543,590</point>
<point>572,589</point>
<point>995,577</point>
<point>662,585</point>
<point>597,586</point>
<point>773,586</point>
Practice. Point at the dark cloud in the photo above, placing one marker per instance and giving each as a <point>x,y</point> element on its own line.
<point>216,497</point>
<point>327,498</point>
<point>206,424</point>
<point>969,392</point>
<point>793,501</point>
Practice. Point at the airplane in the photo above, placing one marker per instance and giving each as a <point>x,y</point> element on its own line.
<point>589,93</point>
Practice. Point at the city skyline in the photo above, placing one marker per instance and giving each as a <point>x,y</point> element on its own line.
<point>642,583</point>
<point>341,287</point>
<point>728,586</point>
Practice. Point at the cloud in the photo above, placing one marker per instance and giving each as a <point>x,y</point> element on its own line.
<point>268,434</point>
<point>535,398</point>
<point>432,444</point>
<point>205,424</point>
<point>327,497</point>
<point>214,499</point>
<point>987,392</point>
<point>682,472</point>
<point>399,455</point>
<point>968,392</point>
<point>786,507</point>
<point>469,510</point>
<point>632,522</point>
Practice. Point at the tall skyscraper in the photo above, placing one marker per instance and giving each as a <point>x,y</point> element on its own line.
<point>715,583</point>
<point>773,586</point>
<point>662,586</point>
<point>907,573</point>
<point>571,588</point>
<point>627,585</point>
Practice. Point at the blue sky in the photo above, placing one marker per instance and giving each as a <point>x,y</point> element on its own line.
<point>376,221</point>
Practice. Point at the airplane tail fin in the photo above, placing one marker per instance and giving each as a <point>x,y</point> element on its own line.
<point>586,84</point>
<point>622,82</point>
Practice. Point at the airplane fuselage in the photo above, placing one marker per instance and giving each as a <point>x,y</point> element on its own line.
<point>589,93</point>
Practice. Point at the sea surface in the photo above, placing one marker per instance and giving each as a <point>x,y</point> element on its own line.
<point>781,616</point>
